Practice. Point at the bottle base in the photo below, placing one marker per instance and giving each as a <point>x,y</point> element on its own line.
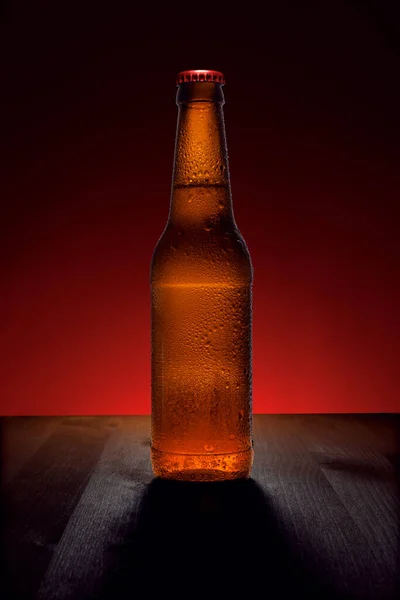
<point>202,467</point>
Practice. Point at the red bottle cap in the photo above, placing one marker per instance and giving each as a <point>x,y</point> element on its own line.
<point>200,75</point>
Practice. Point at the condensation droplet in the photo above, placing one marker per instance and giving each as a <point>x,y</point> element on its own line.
<point>231,437</point>
<point>208,447</point>
<point>241,414</point>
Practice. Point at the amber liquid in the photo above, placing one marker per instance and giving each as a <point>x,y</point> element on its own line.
<point>201,379</point>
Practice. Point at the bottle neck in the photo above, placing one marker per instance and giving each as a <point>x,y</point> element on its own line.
<point>201,182</point>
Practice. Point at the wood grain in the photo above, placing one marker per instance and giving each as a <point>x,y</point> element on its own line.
<point>109,501</point>
<point>367,485</point>
<point>83,517</point>
<point>314,515</point>
<point>21,438</point>
<point>40,499</point>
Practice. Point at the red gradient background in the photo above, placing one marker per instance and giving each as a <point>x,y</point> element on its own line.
<point>312,97</point>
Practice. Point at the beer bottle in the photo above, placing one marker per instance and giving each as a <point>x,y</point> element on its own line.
<point>201,305</point>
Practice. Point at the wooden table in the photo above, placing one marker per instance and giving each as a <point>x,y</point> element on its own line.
<point>83,517</point>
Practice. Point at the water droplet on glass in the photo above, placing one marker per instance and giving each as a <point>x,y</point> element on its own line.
<point>208,447</point>
<point>208,226</point>
<point>231,437</point>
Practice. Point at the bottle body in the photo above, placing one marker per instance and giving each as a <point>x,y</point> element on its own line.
<point>201,329</point>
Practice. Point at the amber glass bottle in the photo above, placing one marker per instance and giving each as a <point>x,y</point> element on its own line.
<point>201,305</point>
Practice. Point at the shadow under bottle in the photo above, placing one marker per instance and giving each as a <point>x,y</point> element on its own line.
<point>210,540</point>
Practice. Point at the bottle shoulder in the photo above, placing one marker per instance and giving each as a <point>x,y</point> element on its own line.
<point>216,252</point>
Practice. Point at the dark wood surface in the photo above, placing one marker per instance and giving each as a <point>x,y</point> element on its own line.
<point>83,517</point>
